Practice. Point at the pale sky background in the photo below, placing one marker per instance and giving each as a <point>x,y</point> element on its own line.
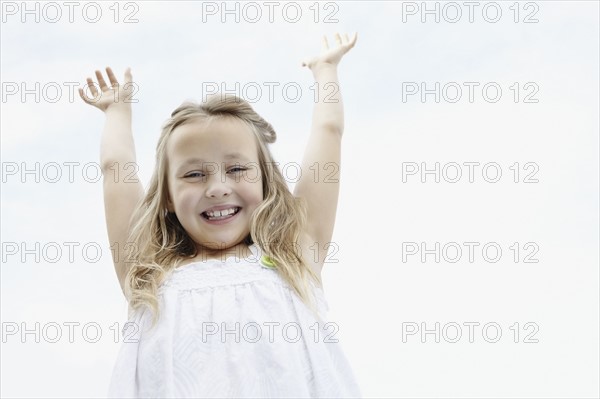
<point>371,292</point>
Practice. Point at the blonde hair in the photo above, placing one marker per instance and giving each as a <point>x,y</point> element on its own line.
<point>160,241</point>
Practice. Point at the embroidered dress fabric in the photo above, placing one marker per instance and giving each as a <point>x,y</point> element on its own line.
<point>231,329</point>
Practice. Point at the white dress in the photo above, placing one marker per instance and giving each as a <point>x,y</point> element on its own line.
<point>231,329</point>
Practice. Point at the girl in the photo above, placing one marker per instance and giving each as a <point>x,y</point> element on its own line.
<point>217,259</point>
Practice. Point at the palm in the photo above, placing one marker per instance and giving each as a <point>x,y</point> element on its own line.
<point>334,54</point>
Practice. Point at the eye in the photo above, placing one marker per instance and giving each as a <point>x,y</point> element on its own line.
<point>237,169</point>
<point>194,174</point>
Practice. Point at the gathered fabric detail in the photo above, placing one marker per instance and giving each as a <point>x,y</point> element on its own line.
<point>231,328</point>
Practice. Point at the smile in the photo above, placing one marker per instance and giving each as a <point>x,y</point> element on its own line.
<point>221,215</point>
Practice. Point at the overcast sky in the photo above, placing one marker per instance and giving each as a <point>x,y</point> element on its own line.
<point>513,135</point>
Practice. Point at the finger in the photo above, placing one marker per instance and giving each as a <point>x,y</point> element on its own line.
<point>92,87</point>
<point>338,39</point>
<point>350,43</point>
<point>128,77</point>
<point>101,81</point>
<point>354,39</point>
<point>111,77</point>
<point>346,38</point>
<point>324,44</point>
<point>83,96</point>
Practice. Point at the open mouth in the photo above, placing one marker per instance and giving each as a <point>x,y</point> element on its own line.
<point>221,215</point>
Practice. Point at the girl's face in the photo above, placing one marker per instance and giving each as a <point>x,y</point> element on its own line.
<point>214,179</point>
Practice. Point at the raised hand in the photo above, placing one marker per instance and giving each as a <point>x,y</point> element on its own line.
<point>113,96</point>
<point>331,56</point>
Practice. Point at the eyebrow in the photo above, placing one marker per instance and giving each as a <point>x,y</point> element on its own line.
<point>231,155</point>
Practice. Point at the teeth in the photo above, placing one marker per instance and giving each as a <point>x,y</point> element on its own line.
<point>224,212</point>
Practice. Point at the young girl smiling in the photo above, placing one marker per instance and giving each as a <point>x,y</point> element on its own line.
<point>215,259</point>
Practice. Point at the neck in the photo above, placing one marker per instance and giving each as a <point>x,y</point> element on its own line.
<point>240,250</point>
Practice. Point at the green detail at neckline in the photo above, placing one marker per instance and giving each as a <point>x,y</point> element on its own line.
<point>265,260</point>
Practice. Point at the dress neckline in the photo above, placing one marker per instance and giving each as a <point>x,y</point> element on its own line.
<point>254,257</point>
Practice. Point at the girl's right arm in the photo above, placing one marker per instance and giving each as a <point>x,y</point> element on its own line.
<point>122,188</point>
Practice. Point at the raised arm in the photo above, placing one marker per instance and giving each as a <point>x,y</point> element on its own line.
<point>319,183</point>
<point>122,188</point>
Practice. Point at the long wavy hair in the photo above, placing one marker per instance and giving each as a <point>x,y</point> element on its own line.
<point>160,242</point>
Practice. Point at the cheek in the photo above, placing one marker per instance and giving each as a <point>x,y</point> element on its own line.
<point>186,200</point>
<point>252,192</point>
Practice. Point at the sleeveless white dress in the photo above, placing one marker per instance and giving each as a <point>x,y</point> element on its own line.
<point>231,329</point>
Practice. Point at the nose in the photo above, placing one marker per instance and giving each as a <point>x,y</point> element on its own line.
<point>217,188</point>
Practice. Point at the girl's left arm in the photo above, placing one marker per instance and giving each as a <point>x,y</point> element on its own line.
<point>319,183</point>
